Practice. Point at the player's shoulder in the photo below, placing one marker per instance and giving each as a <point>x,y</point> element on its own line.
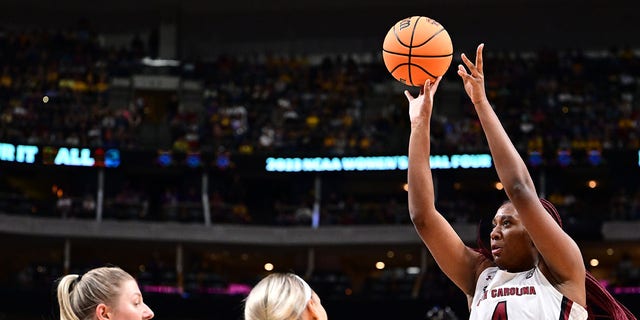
<point>484,267</point>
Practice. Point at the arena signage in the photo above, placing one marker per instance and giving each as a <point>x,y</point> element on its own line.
<point>320,164</point>
<point>81,157</point>
<point>72,157</point>
<point>18,153</point>
<point>59,156</point>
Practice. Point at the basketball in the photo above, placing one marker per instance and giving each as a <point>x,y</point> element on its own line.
<point>416,49</point>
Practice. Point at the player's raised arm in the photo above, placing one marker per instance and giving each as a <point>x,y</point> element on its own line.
<point>559,252</point>
<point>460,263</point>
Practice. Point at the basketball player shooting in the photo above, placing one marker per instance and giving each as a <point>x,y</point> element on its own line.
<point>534,270</point>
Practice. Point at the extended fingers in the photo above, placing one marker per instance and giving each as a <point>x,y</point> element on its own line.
<point>426,87</point>
<point>462,72</point>
<point>475,69</point>
<point>479,57</point>
<point>467,63</point>
<point>408,95</point>
<point>435,84</point>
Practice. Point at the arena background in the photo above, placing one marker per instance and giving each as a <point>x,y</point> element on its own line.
<point>195,262</point>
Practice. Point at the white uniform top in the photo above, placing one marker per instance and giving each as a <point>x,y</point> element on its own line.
<point>502,295</point>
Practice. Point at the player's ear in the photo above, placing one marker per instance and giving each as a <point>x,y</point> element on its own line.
<point>312,308</point>
<point>315,308</point>
<point>102,312</point>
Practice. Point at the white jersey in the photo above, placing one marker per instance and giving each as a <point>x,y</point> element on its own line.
<point>502,295</point>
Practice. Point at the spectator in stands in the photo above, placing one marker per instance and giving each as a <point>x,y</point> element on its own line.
<point>625,272</point>
<point>64,206</point>
<point>100,294</point>
<point>88,208</point>
<point>529,249</point>
<point>283,296</point>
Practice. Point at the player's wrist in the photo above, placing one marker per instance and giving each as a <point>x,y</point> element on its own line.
<point>480,101</point>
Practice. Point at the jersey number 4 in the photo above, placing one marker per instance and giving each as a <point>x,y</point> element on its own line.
<point>500,312</point>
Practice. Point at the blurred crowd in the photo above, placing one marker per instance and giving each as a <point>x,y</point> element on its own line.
<point>56,88</point>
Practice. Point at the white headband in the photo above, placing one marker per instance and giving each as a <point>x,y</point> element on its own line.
<point>307,289</point>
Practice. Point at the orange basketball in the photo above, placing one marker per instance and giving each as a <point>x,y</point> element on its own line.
<point>416,49</point>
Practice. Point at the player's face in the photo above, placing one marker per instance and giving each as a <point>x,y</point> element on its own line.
<point>129,305</point>
<point>511,246</point>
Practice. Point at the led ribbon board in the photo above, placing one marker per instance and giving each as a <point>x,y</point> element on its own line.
<point>321,164</point>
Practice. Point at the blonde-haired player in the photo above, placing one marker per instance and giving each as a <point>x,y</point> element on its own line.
<point>283,296</point>
<point>105,293</point>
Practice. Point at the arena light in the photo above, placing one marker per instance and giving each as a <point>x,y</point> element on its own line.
<point>535,158</point>
<point>160,62</point>
<point>164,158</point>
<point>413,270</point>
<point>193,160</point>
<point>594,157</point>
<point>564,157</point>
